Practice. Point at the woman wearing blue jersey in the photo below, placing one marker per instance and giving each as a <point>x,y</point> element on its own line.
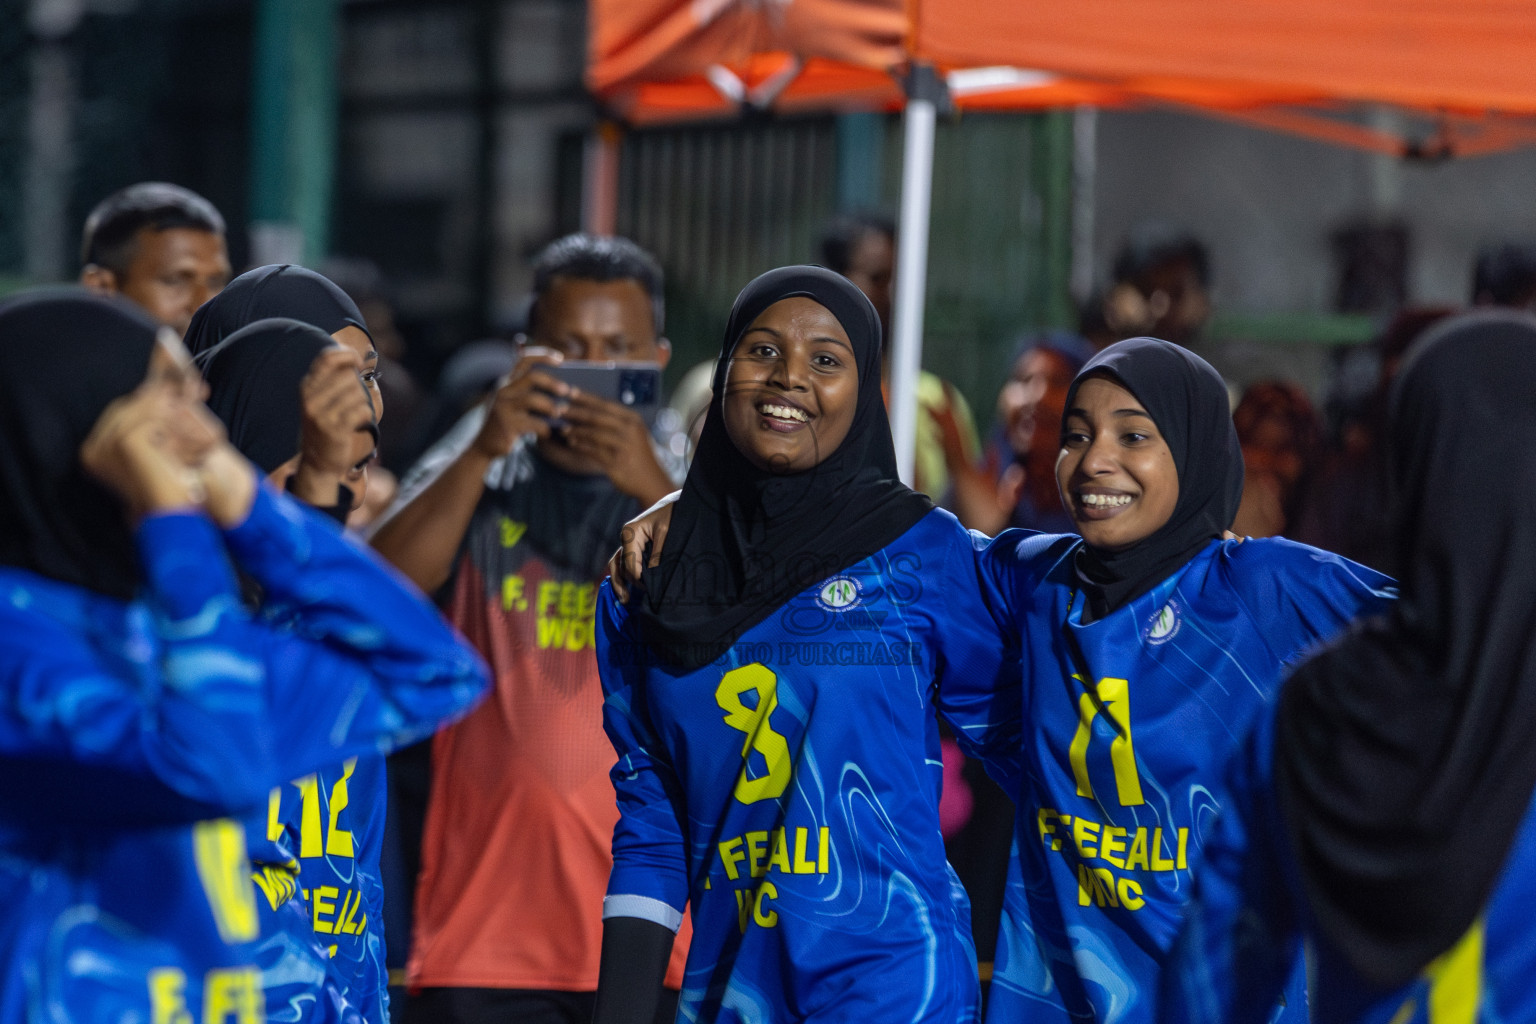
<point>771,698</point>
<point>1382,810</point>
<point>293,404</point>
<point>140,702</point>
<point>1149,643</point>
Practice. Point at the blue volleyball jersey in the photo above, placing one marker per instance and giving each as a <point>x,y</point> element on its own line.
<point>319,844</point>
<point>789,791</point>
<point>130,728</point>
<point>1248,916</point>
<point>1131,720</point>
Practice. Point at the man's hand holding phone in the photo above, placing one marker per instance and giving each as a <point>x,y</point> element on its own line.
<point>524,403</point>
<point>615,438</point>
<point>609,437</point>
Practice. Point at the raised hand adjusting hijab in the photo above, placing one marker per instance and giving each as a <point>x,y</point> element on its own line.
<point>1187,399</point>
<point>280,290</point>
<point>1405,753</point>
<point>253,386</point>
<point>65,355</point>
<point>743,541</point>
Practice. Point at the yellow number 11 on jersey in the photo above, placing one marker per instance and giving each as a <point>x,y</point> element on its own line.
<point>753,721</point>
<point>1115,697</point>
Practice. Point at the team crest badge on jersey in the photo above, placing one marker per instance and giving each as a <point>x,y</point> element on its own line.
<point>1164,625</point>
<point>840,593</point>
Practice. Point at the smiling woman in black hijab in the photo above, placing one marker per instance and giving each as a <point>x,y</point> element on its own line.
<point>807,617</point>
<point>1187,400</point>
<point>1145,642</point>
<point>746,537</point>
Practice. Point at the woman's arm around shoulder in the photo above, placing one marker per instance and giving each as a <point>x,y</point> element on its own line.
<point>1011,565</point>
<point>980,640</point>
<point>170,715</point>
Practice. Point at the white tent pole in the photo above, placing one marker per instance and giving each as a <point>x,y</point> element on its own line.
<point>1085,156</point>
<point>600,180</point>
<point>911,274</point>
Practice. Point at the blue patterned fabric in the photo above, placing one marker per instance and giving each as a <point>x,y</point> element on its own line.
<point>789,791</point>
<point>1247,921</point>
<point>329,825</point>
<point>132,735</point>
<point>1131,721</point>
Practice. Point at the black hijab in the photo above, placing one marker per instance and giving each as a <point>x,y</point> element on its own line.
<point>1187,399</point>
<point>253,386</point>
<point>65,355</point>
<point>295,293</point>
<point>742,540</point>
<point>1405,754</point>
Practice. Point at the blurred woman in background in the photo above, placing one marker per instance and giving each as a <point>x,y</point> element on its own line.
<point>1016,485</point>
<point>1281,439</point>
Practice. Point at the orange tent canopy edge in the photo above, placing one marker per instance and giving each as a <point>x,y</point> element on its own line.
<point>1289,65</point>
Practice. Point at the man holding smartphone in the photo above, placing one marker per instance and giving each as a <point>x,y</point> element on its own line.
<point>510,520</point>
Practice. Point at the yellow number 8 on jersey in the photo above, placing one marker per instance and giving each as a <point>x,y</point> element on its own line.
<point>760,735</point>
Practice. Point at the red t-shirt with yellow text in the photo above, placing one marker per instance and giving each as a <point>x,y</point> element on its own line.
<point>517,846</point>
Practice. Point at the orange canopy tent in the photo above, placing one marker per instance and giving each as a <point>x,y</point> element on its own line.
<point>1465,71</point>
<point>664,60</point>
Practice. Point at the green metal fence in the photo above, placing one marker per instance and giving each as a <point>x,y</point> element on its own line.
<point>719,204</point>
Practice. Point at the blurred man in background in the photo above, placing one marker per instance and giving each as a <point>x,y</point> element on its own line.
<point>1348,508</point>
<point>862,247</point>
<point>510,519</point>
<point>1505,275</point>
<point>160,245</point>
<point>1162,285</point>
